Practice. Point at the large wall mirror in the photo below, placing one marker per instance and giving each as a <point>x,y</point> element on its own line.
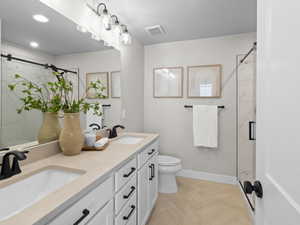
<point>34,36</point>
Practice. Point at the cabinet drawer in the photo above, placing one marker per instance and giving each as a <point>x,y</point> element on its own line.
<point>105,216</point>
<point>128,213</point>
<point>87,206</point>
<point>147,153</point>
<point>125,173</point>
<point>124,194</point>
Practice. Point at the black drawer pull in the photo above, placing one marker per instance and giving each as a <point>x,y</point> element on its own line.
<point>130,213</point>
<point>252,130</point>
<point>85,213</point>
<point>130,193</point>
<point>151,172</point>
<point>131,172</point>
<point>152,151</point>
<point>153,166</point>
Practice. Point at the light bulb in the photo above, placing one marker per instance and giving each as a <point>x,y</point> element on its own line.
<point>106,20</point>
<point>126,38</point>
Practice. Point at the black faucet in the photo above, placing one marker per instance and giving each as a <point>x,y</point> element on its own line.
<point>95,126</point>
<point>113,132</point>
<point>6,170</point>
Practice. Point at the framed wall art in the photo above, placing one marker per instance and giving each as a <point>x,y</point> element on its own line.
<point>103,77</point>
<point>168,82</point>
<point>204,81</point>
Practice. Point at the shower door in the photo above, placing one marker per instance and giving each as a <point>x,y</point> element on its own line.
<point>246,116</point>
<point>18,128</point>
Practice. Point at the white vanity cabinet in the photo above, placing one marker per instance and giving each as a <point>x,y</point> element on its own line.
<point>147,182</point>
<point>126,197</point>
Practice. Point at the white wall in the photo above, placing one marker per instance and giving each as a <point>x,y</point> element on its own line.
<point>173,122</point>
<point>100,61</point>
<point>27,53</point>
<point>132,58</point>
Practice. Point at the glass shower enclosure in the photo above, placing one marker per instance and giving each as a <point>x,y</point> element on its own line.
<point>246,117</point>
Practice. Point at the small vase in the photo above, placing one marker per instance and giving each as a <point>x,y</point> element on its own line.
<point>50,128</point>
<point>71,138</point>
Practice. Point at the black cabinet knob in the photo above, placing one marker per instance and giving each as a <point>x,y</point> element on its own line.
<point>256,187</point>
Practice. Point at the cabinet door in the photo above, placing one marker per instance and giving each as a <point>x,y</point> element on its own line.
<point>143,193</point>
<point>104,217</point>
<point>153,184</point>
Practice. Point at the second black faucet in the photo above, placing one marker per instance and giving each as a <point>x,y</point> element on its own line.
<point>113,132</point>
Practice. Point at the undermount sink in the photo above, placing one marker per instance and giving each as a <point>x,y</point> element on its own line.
<point>129,140</point>
<point>30,189</point>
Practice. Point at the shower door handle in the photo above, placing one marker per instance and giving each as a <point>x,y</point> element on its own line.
<point>252,130</point>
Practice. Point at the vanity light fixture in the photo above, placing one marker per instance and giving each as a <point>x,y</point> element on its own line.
<point>125,36</point>
<point>34,44</point>
<point>106,18</point>
<point>110,23</point>
<point>40,18</point>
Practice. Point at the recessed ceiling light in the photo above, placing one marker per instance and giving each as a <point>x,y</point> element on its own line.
<point>34,44</point>
<point>40,18</point>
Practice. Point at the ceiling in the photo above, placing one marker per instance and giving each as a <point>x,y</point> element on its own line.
<point>186,19</point>
<point>181,19</point>
<point>57,37</point>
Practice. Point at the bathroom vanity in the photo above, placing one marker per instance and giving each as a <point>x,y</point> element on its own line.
<point>117,186</point>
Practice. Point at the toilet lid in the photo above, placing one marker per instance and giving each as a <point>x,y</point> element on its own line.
<point>168,160</point>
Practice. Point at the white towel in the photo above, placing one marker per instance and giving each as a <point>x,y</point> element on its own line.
<point>205,125</point>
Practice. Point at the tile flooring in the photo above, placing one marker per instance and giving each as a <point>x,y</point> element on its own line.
<point>201,203</point>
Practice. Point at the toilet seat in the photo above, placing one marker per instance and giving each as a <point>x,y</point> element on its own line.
<point>168,160</point>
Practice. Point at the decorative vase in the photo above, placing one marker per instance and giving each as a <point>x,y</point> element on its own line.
<point>50,128</point>
<point>71,139</point>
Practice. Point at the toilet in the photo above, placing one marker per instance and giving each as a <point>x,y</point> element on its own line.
<point>168,167</point>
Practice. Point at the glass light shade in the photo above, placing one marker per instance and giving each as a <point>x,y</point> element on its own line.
<point>106,20</point>
<point>126,38</point>
<point>118,29</point>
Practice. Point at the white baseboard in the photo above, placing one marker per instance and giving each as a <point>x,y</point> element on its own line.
<point>208,176</point>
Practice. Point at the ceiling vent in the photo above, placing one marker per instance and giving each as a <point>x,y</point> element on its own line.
<point>155,30</point>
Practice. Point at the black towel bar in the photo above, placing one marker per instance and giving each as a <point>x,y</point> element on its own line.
<point>190,106</point>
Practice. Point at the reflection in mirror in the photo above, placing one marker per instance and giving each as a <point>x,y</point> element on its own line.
<point>37,37</point>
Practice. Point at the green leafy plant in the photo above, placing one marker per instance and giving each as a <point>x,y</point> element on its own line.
<point>70,104</point>
<point>36,96</point>
<point>55,96</point>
